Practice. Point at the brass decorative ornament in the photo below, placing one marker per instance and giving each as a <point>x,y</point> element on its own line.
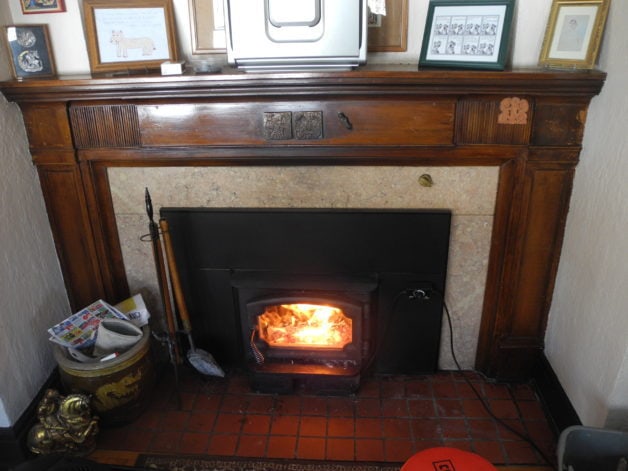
<point>66,425</point>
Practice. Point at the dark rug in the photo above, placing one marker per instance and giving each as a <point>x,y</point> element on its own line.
<point>210,463</point>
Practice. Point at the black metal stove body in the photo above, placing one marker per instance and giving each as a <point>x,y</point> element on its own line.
<point>237,264</point>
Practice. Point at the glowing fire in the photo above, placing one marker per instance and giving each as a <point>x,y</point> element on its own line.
<point>305,325</point>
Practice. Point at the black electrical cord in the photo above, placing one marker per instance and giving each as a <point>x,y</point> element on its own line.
<point>485,405</point>
<point>425,294</point>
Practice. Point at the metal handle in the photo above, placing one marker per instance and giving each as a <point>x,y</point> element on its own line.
<point>344,119</point>
<point>426,180</point>
<point>177,286</point>
<point>259,356</point>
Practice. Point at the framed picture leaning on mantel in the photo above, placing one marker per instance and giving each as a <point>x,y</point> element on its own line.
<point>30,51</point>
<point>574,33</point>
<point>124,35</point>
<point>389,33</point>
<point>471,34</point>
<point>207,26</point>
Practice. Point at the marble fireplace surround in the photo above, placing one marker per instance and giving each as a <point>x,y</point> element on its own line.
<point>469,192</point>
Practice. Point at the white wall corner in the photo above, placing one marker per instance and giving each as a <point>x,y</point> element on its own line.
<point>587,334</point>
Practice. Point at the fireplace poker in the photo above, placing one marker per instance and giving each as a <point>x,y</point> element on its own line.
<point>171,337</point>
<point>201,360</point>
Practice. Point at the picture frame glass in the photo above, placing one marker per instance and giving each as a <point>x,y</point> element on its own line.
<point>29,47</point>
<point>574,33</point>
<point>574,29</point>
<point>127,35</point>
<point>131,34</point>
<point>472,34</point>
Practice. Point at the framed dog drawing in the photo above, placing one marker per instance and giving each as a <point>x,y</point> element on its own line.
<point>125,35</point>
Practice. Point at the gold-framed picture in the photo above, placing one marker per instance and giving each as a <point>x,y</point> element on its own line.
<point>574,33</point>
<point>129,34</point>
<point>389,33</point>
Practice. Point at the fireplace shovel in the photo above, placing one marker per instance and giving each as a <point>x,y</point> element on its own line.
<point>201,360</point>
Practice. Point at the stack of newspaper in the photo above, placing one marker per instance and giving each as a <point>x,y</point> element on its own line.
<point>80,329</point>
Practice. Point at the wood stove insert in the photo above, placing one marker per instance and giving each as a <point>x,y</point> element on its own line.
<point>304,331</point>
<point>358,271</point>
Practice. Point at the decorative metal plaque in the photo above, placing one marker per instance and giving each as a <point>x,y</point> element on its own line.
<point>278,126</point>
<point>513,111</point>
<point>308,125</point>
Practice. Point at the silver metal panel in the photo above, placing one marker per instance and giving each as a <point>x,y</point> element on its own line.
<point>304,34</point>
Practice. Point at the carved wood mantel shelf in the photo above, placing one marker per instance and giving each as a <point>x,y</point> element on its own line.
<point>529,123</point>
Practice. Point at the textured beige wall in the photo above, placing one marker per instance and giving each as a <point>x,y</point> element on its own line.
<point>468,192</point>
<point>33,295</point>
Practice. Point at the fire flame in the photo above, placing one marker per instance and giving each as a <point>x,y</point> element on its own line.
<point>305,325</point>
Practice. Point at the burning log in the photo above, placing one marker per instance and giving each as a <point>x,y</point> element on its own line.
<point>305,325</point>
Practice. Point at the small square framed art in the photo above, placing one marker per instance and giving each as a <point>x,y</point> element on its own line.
<point>574,33</point>
<point>468,34</point>
<point>30,51</point>
<point>42,6</point>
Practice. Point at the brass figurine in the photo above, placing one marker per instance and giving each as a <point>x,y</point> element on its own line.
<point>66,425</point>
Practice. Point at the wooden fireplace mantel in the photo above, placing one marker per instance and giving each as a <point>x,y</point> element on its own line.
<point>529,123</point>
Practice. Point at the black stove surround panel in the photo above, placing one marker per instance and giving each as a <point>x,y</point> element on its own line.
<point>384,269</point>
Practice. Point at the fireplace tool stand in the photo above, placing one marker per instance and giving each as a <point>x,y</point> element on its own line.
<point>165,338</point>
<point>201,360</point>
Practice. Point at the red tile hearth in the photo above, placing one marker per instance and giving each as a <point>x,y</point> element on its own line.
<point>388,420</point>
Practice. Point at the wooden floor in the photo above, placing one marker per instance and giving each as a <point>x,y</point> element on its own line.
<point>129,458</point>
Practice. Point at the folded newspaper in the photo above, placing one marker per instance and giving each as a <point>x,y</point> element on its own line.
<point>135,310</point>
<point>79,330</point>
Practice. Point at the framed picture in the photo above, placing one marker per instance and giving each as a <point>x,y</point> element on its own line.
<point>42,6</point>
<point>30,52</point>
<point>129,34</point>
<point>389,33</point>
<point>207,26</point>
<point>472,34</point>
<point>574,33</point>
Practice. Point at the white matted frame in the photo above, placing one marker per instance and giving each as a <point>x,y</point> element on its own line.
<point>473,34</point>
<point>574,33</point>
<point>129,34</point>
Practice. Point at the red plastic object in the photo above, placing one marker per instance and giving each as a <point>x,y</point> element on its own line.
<point>446,459</point>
